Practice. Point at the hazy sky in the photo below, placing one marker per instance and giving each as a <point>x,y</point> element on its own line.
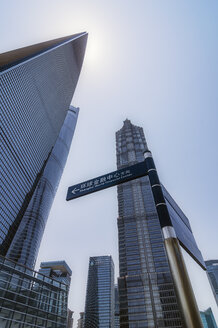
<point>154,62</point>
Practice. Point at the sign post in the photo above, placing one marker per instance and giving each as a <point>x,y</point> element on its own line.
<point>106,181</point>
<point>184,291</point>
<point>190,313</point>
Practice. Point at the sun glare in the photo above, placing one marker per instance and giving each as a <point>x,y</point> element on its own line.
<point>93,51</point>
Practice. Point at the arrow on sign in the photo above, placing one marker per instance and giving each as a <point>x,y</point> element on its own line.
<point>74,191</point>
<point>108,180</point>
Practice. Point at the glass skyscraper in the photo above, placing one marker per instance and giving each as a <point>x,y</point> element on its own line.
<point>212,271</point>
<point>37,126</point>
<point>25,245</point>
<point>37,86</point>
<point>146,290</point>
<point>99,307</point>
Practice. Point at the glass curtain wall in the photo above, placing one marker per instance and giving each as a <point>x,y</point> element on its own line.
<point>146,291</point>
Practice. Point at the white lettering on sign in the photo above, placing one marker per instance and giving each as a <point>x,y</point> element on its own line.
<point>102,180</point>
<point>91,184</point>
<point>108,180</point>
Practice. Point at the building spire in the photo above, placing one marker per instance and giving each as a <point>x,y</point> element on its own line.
<point>127,122</point>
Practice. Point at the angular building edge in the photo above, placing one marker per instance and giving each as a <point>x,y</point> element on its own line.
<point>42,88</point>
<point>14,57</point>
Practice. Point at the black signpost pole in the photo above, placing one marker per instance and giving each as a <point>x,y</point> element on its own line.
<point>184,291</point>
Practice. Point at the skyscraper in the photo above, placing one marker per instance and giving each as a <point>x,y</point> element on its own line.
<point>37,126</point>
<point>99,307</point>
<point>146,289</point>
<point>25,245</point>
<point>212,271</point>
<point>37,85</point>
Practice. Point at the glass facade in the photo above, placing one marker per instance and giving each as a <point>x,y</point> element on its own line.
<point>117,308</point>
<point>37,85</point>
<point>37,126</point>
<point>212,272</point>
<point>208,319</point>
<point>29,299</point>
<point>99,307</point>
<point>25,245</point>
<point>58,270</point>
<point>146,290</point>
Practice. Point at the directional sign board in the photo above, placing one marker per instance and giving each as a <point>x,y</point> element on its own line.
<point>183,229</point>
<point>179,220</point>
<point>106,181</point>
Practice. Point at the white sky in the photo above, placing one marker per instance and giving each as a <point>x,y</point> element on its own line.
<point>154,62</point>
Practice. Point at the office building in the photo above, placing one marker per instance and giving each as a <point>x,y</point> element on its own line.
<point>30,299</point>
<point>37,86</point>
<point>208,319</point>
<point>58,270</point>
<point>99,306</point>
<point>212,272</point>
<point>146,289</point>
